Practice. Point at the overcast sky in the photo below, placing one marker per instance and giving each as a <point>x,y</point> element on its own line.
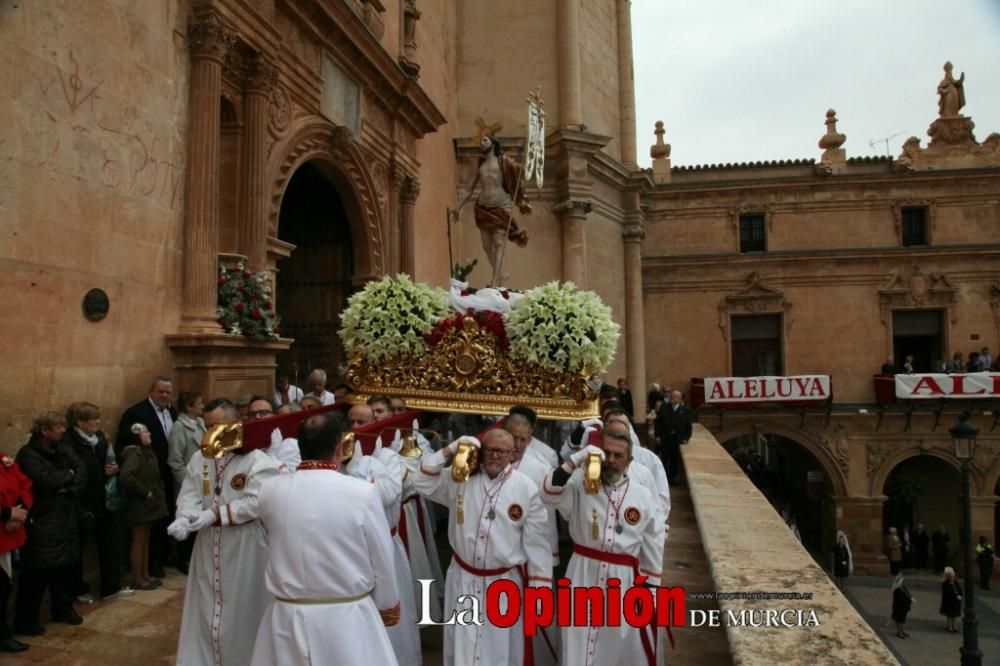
<point>745,81</point>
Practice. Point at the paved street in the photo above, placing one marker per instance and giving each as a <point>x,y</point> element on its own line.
<point>929,643</point>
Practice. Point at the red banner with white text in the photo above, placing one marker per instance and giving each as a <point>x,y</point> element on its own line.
<point>797,389</point>
<point>974,385</point>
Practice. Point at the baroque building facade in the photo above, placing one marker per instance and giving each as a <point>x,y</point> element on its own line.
<point>832,266</point>
<point>322,142</point>
<point>325,141</point>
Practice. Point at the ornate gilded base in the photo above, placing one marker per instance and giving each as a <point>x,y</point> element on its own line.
<point>466,372</point>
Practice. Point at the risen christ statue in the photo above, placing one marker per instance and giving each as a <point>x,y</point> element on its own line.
<point>497,177</point>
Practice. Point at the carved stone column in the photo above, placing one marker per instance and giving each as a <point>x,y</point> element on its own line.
<point>407,251</point>
<point>568,20</point>
<point>397,177</point>
<point>635,345</point>
<point>574,248</point>
<point>208,40</point>
<point>626,77</point>
<point>251,228</point>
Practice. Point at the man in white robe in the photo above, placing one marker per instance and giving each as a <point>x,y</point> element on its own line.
<point>537,448</point>
<point>617,533</point>
<point>415,529</point>
<point>330,566</point>
<point>496,530</point>
<point>224,599</point>
<point>646,458</point>
<point>546,642</point>
<point>385,472</point>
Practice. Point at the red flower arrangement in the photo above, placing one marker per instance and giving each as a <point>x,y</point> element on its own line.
<point>491,321</point>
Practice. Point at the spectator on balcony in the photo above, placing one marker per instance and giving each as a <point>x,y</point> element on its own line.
<point>889,367</point>
<point>908,365</point>
<point>957,364</point>
<point>941,365</point>
<point>986,359</point>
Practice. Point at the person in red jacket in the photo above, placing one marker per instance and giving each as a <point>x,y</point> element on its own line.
<point>15,501</point>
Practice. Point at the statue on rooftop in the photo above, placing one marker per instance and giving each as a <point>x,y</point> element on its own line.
<point>951,93</point>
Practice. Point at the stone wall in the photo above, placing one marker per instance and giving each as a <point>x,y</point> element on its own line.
<point>91,194</point>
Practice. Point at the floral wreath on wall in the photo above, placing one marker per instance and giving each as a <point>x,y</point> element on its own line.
<point>245,306</point>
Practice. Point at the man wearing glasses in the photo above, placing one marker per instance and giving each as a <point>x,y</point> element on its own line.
<point>285,450</point>
<point>497,530</point>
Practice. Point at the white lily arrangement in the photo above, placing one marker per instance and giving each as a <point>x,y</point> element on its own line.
<point>391,316</point>
<point>563,328</point>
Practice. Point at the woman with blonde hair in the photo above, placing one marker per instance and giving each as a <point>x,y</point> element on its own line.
<point>141,479</point>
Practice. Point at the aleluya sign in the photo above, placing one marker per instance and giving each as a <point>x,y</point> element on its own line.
<point>964,386</point>
<point>800,388</point>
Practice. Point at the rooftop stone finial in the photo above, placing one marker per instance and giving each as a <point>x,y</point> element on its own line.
<point>660,149</point>
<point>831,140</point>
<point>660,152</point>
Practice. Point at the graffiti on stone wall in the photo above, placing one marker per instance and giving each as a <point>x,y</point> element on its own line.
<point>113,145</point>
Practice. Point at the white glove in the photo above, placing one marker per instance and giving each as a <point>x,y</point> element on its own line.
<point>205,519</point>
<point>580,457</point>
<point>592,423</point>
<point>453,447</point>
<point>179,529</point>
<point>276,439</point>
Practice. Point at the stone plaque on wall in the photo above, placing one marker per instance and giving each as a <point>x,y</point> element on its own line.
<point>341,102</point>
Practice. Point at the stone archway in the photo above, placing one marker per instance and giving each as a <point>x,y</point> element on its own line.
<point>314,138</point>
<point>834,470</point>
<point>881,475</point>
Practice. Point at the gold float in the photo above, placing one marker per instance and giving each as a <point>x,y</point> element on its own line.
<point>467,372</point>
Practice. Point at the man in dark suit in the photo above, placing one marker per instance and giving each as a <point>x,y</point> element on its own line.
<point>158,415</point>
<point>625,398</point>
<point>673,428</point>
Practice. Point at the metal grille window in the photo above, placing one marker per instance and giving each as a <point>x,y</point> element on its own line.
<point>752,233</point>
<point>914,226</point>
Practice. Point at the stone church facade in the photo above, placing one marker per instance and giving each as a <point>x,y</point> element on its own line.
<point>320,141</point>
<point>324,142</point>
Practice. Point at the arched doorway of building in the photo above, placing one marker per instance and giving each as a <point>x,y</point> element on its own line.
<point>796,484</point>
<point>923,490</point>
<point>314,283</point>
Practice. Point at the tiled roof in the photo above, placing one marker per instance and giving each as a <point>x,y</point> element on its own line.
<point>869,159</point>
<point>747,165</point>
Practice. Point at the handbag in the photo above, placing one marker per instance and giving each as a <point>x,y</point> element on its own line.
<point>114,498</point>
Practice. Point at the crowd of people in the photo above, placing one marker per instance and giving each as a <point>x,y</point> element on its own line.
<point>975,361</point>
<point>265,516</point>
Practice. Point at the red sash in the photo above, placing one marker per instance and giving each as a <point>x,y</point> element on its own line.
<point>403,534</point>
<point>529,655</point>
<point>648,644</point>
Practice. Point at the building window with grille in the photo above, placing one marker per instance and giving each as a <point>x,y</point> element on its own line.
<point>914,226</point>
<point>752,233</point>
<point>756,345</point>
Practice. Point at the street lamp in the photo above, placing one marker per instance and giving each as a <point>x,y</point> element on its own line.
<point>963,436</point>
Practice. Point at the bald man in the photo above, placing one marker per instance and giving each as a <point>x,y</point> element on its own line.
<point>360,415</point>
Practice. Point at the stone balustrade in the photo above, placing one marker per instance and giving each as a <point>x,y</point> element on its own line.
<point>750,549</point>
